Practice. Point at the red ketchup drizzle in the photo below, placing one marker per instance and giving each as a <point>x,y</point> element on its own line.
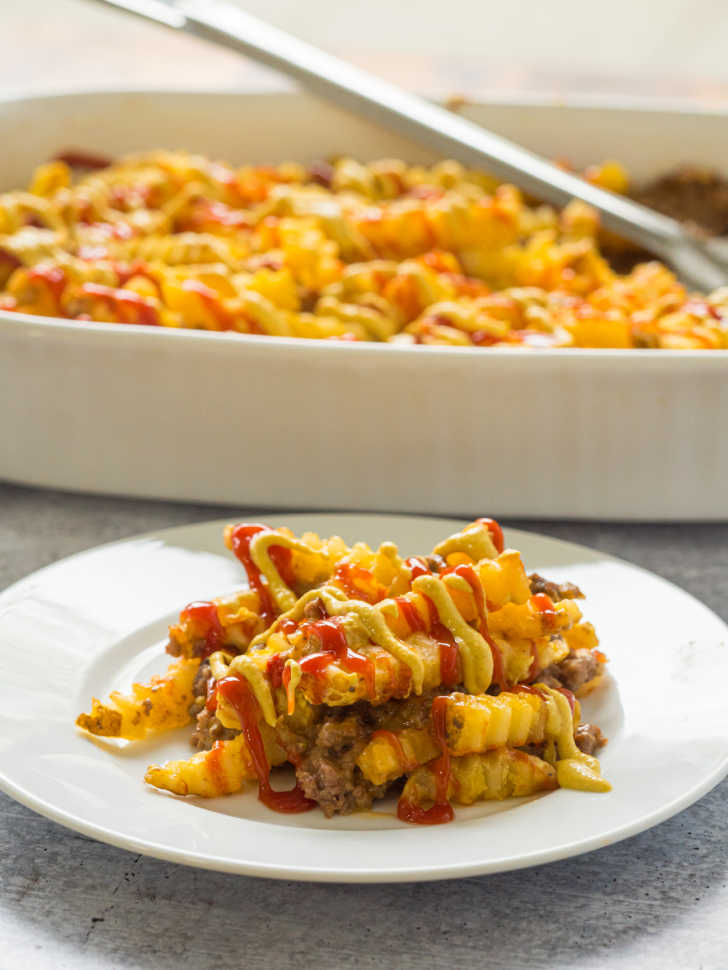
<point>206,210</point>
<point>544,605</point>
<point>204,614</point>
<point>449,672</point>
<point>441,811</point>
<point>132,307</point>
<point>525,689</point>
<point>9,259</point>
<point>77,159</point>
<point>417,567</point>
<point>467,573</point>
<point>396,744</point>
<point>211,698</point>
<point>274,669</point>
<point>281,557</point>
<point>240,540</point>
<point>280,676</point>
<point>211,299</point>
<point>359,582</point>
<point>287,626</point>
<point>125,272</point>
<point>700,308</point>
<point>496,533</point>
<point>335,647</point>
<point>53,277</point>
<point>411,615</point>
<point>569,696</point>
<point>481,338</point>
<point>239,695</point>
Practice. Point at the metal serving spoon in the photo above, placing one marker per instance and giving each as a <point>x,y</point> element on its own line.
<point>700,263</point>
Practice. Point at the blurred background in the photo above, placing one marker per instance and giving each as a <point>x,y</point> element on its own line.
<point>637,48</point>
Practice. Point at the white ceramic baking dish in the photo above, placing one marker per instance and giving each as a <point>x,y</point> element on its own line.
<point>282,422</point>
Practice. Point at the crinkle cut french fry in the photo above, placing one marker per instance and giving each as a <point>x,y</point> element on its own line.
<point>498,774</point>
<point>220,771</point>
<point>338,686</point>
<point>390,754</point>
<point>159,705</point>
<point>473,725</point>
<point>238,616</point>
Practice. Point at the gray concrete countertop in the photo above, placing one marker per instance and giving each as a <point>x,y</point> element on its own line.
<point>658,900</point>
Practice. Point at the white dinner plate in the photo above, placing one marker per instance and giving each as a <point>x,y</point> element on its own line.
<point>95,621</point>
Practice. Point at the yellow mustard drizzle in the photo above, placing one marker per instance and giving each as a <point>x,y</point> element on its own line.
<point>283,596</point>
<point>475,654</point>
<point>295,613</point>
<point>220,663</point>
<point>252,665</point>
<point>245,666</point>
<point>574,769</point>
<point>475,540</point>
<point>577,769</point>
<point>375,625</point>
<point>294,674</point>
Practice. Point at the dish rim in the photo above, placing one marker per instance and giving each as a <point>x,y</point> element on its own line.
<point>75,329</point>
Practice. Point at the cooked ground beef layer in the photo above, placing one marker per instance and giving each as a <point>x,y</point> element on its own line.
<point>572,672</point>
<point>208,729</point>
<point>199,687</point>
<point>589,738</point>
<point>328,772</point>
<point>694,195</point>
<point>557,591</point>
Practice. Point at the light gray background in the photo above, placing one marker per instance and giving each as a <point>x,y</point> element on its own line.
<point>656,901</point>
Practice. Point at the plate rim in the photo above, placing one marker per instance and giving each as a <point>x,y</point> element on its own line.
<point>395,874</point>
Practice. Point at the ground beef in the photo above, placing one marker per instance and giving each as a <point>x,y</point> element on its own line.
<point>572,672</point>
<point>315,609</point>
<point>199,688</point>
<point>307,299</point>
<point>557,591</point>
<point>697,197</point>
<point>434,562</point>
<point>328,772</point>
<point>209,730</point>
<point>589,738</point>
<point>690,194</point>
<point>412,712</point>
<point>327,769</point>
<point>537,750</point>
<point>321,173</point>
